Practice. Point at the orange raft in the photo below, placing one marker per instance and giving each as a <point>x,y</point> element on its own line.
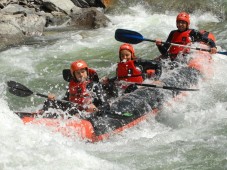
<point>203,62</point>
<point>128,110</point>
<point>124,113</point>
<point>85,129</point>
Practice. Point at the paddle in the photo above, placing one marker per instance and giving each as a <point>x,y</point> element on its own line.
<point>20,90</point>
<point>133,37</point>
<point>165,87</point>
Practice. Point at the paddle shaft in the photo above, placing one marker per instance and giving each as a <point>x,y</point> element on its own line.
<point>22,91</point>
<point>165,87</point>
<point>45,96</point>
<point>159,86</point>
<point>41,95</point>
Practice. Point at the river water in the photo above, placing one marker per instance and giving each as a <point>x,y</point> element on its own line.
<point>188,134</point>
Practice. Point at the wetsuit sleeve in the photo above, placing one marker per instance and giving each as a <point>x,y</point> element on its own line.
<point>93,75</point>
<point>148,65</point>
<point>56,104</point>
<point>163,49</point>
<point>99,99</point>
<point>110,89</point>
<point>66,96</point>
<point>113,79</point>
<point>196,36</point>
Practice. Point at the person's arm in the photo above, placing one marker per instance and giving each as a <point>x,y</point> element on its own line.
<point>150,65</point>
<point>109,86</point>
<point>99,99</point>
<point>196,36</point>
<point>163,48</point>
<point>93,75</point>
<point>66,96</point>
<point>51,102</point>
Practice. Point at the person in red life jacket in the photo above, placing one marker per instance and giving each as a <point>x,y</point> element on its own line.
<point>182,36</point>
<point>84,90</point>
<point>133,69</point>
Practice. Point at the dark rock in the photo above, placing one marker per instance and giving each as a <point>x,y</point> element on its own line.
<point>89,18</point>
<point>57,5</point>
<point>88,3</point>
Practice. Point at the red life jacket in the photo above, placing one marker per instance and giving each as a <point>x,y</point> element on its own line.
<point>127,71</point>
<point>78,90</point>
<point>179,38</point>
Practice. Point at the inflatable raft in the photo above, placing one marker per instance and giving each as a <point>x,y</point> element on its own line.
<point>126,112</point>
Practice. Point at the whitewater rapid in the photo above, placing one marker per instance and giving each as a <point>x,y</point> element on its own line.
<point>189,134</point>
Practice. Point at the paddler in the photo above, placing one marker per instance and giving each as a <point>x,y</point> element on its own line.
<point>132,69</point>
<point>84,90</point>
<point>182,36</point>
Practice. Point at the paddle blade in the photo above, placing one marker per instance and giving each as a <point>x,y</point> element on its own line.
<point>18,89</point>
<point>128,36</point>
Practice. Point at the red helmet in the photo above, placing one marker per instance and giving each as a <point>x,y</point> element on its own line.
<point>183,16</point>
<point>77,65</point>
<point>128,47</point>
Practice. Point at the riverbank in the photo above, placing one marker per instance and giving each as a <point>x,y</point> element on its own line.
<point>21,20</point>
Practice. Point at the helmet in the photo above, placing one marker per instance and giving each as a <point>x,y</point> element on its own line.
<point>183,16</point>
<point>128,47</point>
<point>77,65</point>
